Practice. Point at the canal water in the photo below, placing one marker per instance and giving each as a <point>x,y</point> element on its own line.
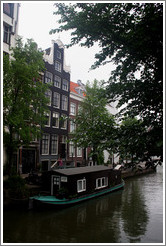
<point>132,215</point>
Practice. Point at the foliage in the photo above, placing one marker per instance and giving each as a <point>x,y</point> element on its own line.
<point>17,187</point>
<point>24,101</point>
<point>131,36</point>
<point>132,140</point>
<point>94,124</point>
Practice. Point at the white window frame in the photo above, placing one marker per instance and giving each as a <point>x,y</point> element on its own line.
<point>79,152</point>
<point>54,135</point>
<point>65,85</point>
<point>72,126</point>
<point>81,182</point>
<point>45,152</point>
<point>6,33</point>
<point>48,94</point>
<point>59,55</point>
<point>48,77</point>
<point>103,182</point>
<point>65,122</point>
<point>58,66</point>
<point>57,79</point>
<point>56,116</point>
<point>71,149</point>
<point>64,102</point>
<point>72,108</point>
<point>58,100</point>
<point>64,140</point>
<point>48,114</point>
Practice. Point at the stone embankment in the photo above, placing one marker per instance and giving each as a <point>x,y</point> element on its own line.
<point>128,173</point>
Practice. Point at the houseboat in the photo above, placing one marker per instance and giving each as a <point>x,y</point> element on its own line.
<point>74,185</point>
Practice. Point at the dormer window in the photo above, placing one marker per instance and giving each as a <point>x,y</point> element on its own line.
<point>58,54</point>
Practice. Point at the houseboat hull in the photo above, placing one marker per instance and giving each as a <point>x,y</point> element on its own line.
<point>64,202</point>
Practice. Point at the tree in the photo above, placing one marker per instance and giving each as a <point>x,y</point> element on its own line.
<point>95,126</point>
<point>132,140</point>
<point>131,36</point>
<point>24,101</point>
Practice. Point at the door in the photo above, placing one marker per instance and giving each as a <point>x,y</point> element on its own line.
<point>28,160</point>
<point>55,184</point>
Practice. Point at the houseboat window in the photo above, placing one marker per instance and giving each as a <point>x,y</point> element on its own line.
<point>57,81</point>
<point>58,66</point>
<point>101,182</point>
<point>81,185</point>
<point>56,100</point>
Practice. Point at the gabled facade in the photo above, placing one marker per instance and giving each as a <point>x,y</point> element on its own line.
<point>79,156</point>
<point>10,25</point>
<point>53,144</point>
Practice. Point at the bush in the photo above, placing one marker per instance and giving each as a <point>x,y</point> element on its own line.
<point>17,187</point>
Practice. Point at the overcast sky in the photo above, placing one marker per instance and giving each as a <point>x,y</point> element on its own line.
<point>36,19</point>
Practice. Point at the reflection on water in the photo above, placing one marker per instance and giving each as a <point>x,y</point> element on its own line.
<point>124,216</point>
<point>134,212</point>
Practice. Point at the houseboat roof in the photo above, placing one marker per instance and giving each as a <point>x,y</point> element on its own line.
<point>80,170</point>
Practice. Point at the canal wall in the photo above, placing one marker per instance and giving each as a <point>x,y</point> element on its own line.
<point>138,172</point>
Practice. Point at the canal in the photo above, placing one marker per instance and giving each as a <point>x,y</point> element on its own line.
<point>133,215</point>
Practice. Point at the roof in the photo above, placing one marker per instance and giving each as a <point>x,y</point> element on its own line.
<point>74,87</point>
<point>82,170</point>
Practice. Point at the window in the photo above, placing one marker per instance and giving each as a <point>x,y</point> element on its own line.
<point>73,109</point>
<point>56,100</point>
<point>6,34</point>
<point>72,126</point>
<point>48,77</point>
<point>55,120</point>
<point>81,185</point>
<point>48,95</point>
<point>58,54</point>
<point>101,182</point>
<point>58,66</point>
<point>8,9</point>
<point>65,85</point>
<point>79,151</point>
<point>57,81</point>
<point>47,119</point>
<point>64,102</point>
<point>64,141</point>
<point>71,149</point>
<point>45,144</point>
<point>54,145</point>
<point>63,122</point>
